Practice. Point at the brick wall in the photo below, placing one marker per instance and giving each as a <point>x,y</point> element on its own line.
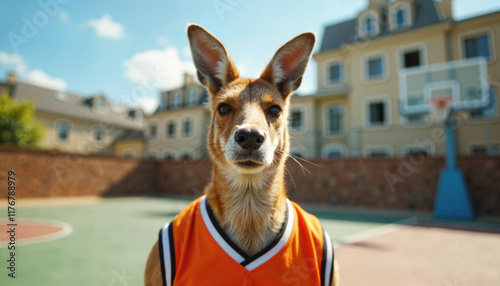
<point>388,183</point>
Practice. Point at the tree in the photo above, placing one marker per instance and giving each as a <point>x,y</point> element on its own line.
<point>17,123</point>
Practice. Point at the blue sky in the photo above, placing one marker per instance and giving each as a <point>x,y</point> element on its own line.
<point>131,49</point>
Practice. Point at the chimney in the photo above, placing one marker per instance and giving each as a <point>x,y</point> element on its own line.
<point>446,9</point>
<point>377,3</point>
<point>11,77</point>
<point>188,79</point>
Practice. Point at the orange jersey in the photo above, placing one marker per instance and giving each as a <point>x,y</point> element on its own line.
<point>194,250</point>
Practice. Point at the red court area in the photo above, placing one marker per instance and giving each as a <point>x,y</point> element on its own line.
<point>423,254</point>
<point>31,231</point>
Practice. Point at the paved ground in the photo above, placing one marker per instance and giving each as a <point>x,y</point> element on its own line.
<point>111,239</point>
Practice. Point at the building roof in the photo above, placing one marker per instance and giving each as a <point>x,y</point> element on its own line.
<point>426,13</point>
<point>71,105</point>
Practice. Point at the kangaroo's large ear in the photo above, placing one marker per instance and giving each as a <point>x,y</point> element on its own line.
<point>214,67</point>
<point>288,65</point>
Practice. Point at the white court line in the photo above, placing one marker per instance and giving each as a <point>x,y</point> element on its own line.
<point>358,237</point>
<point>66,229</point>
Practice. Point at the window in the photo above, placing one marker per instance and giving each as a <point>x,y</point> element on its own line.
<point>61,95</point>
<point>378,152</point>
<point>494,149</point>
<point>418,150</point>
<point>400,18</point>
<point>414,119</point>
<point>477,46</point>
<point>297,119</point>
<point>412,59</point>
<point>100,104</point>
<point>98,135</point>
<point>192,98</point>
<point>334,151</point>
<point>176,100</point>
<point>334,120</point>
<point>377,114</point>
<point>153,131</point>
<point>63,131</point>
<point>162,105</point>
<point>335,73</point>
<point>171,129</point>
<point>369,27</point>
<point>187,127</point>
<point>375,68</point>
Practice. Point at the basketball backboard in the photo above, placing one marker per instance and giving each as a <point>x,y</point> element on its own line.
<point>466,81</point>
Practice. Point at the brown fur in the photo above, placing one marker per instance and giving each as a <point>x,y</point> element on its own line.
<point>247,189</point>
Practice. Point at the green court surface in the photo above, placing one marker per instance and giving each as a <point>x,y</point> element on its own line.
<point>111,240</point>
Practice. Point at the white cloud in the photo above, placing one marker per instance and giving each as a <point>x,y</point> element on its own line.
<point>105,27</point>
<point>64,16</point>
<point>158,68</point>
<point>148,104</point>
<point>14,62</point>
<point>39,77</point>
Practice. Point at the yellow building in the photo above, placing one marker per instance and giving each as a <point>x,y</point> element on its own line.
<point>179,127</point>
<point>78,124</point>
<point>356,111</point>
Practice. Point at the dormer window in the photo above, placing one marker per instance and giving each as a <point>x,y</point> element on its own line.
<point>100,104</point>
<point>192,98</point>
<point>369,24</point>
<point>176,100</point>
<point>369,27</point>
<point>400,15</point>
<point>61,95</point>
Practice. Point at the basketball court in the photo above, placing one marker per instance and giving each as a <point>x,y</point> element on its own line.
<point>94,241</point>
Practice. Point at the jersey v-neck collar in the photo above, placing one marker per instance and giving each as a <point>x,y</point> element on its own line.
<point>249,262</point>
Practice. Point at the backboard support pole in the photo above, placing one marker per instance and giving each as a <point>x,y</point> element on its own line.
<point>452,199</point>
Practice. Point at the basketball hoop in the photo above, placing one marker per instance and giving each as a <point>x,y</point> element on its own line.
<point>439,108</point>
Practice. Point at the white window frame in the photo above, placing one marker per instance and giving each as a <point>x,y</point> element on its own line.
<point>158,130</point>
<point>475,33</point>
<point>365,59</point>
<point>430,147</point>
<point>57,128</point>
<point>387,109</point>
<point>326,121</point>
<point>362,24</point>
<point>303,110</point>
<point>335,146</point>
<point>176,100</point>
<point>166,124</point>
<point>393,19</point>
<point>192,97</point>
<point>386,148</point>
<point>327,66</point>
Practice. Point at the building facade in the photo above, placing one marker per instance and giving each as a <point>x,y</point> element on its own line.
<point>78,124</point>
<point>356,111</point>
<point>179,127</point>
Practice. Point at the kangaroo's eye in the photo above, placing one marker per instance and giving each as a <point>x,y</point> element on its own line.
<point>224,109</point>
<point>274,111</point>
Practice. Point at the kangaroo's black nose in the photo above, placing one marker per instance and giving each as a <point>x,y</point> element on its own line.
<point>250,139</point>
